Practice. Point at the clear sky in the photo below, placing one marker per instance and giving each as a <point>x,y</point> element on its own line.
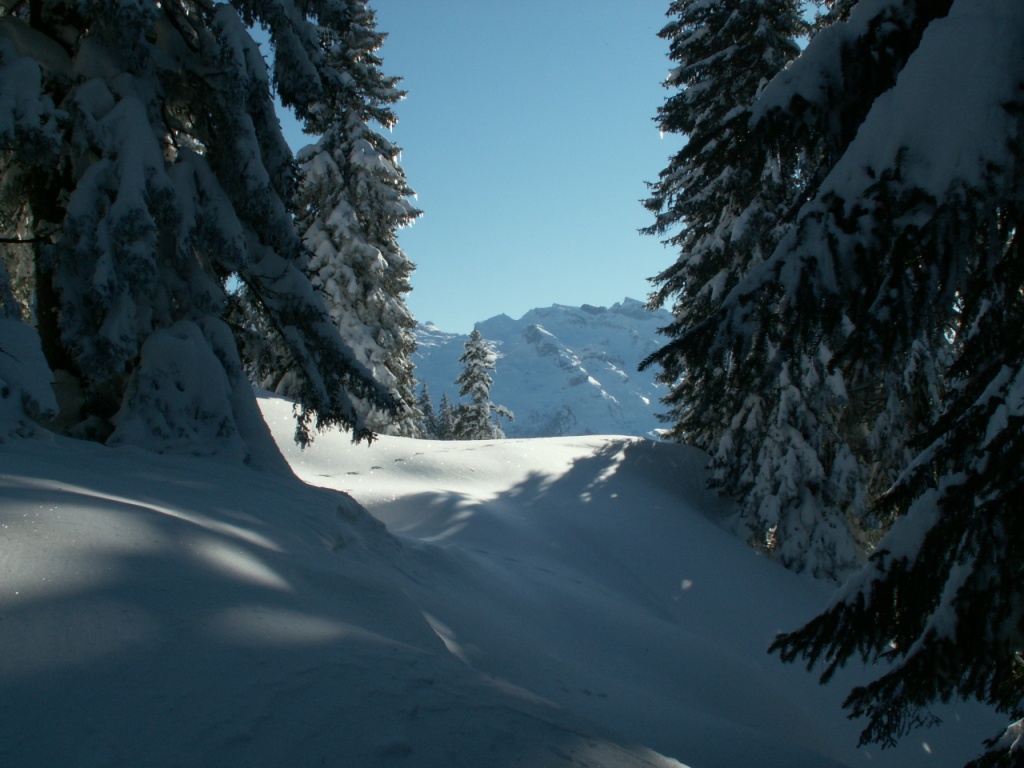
<point>527,134</point>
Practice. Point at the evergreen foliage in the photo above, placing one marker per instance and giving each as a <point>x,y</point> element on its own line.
<point>876,351</point>
<point>429,422</point>
<point>723,201</point>
<point>802,429</point>
<point>445,419</point>
<point>144,173</point>
<point>871,361</point>
<point>478,419</point>
<point>353,197</point>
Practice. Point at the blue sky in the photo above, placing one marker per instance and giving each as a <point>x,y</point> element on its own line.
<point>527,134</point>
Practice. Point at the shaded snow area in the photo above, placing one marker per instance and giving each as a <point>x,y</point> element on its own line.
<point>561,370</point>
<point>549,602</point>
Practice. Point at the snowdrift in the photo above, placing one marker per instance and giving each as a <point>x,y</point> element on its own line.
<point>556,602</point>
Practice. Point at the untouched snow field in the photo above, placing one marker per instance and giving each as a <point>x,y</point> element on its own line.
<point>550,602</point>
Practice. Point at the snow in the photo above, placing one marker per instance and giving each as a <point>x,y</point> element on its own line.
<point>188,395</point>
<point>30,43</point>
<point>22,105</point>
<point>549,602</point>
<point>939,146</point>
<point>25,378</point>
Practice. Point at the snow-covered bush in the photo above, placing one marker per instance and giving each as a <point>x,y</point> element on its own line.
<point>189,395</point>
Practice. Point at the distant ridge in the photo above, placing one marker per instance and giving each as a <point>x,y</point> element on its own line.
<point>562,370</point>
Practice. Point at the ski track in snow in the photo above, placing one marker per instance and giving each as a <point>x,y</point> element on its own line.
<point>555,602</point>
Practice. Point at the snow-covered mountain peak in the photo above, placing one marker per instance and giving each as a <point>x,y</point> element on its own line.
<point>562,370</point>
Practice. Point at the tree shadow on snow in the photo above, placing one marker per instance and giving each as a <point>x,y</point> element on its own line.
<point>200,617</point>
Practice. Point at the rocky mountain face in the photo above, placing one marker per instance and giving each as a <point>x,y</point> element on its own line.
<point>561,370</point>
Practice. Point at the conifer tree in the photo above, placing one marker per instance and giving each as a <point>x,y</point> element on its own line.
<point>719,195</point>
<point>445,419</point>
<point>906,254</point>
<point>26,394</point>
<point>854,435</point>
<point>478,419</point>
<point>428,426</point>
<point>723,199</point>
<point>151,175</point>
<point>796,425</point>
<point>353,197</point>
<point>29,147</point>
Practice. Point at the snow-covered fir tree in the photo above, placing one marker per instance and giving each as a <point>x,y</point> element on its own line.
<point>428,427</point>
<point>478,419</point>
<point>853,435</point>
<point>353,197</point>
<point>800,430</point>
<point>718,198</point>
<point>906,260</point>
<point>144,172</point>
<point>723,201</point>
<point>445,419</point>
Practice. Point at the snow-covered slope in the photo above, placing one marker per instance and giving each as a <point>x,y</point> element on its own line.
<point>562,370</point>
<point>551,602</point>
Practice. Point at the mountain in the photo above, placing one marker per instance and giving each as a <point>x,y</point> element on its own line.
<point>562,370</point>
